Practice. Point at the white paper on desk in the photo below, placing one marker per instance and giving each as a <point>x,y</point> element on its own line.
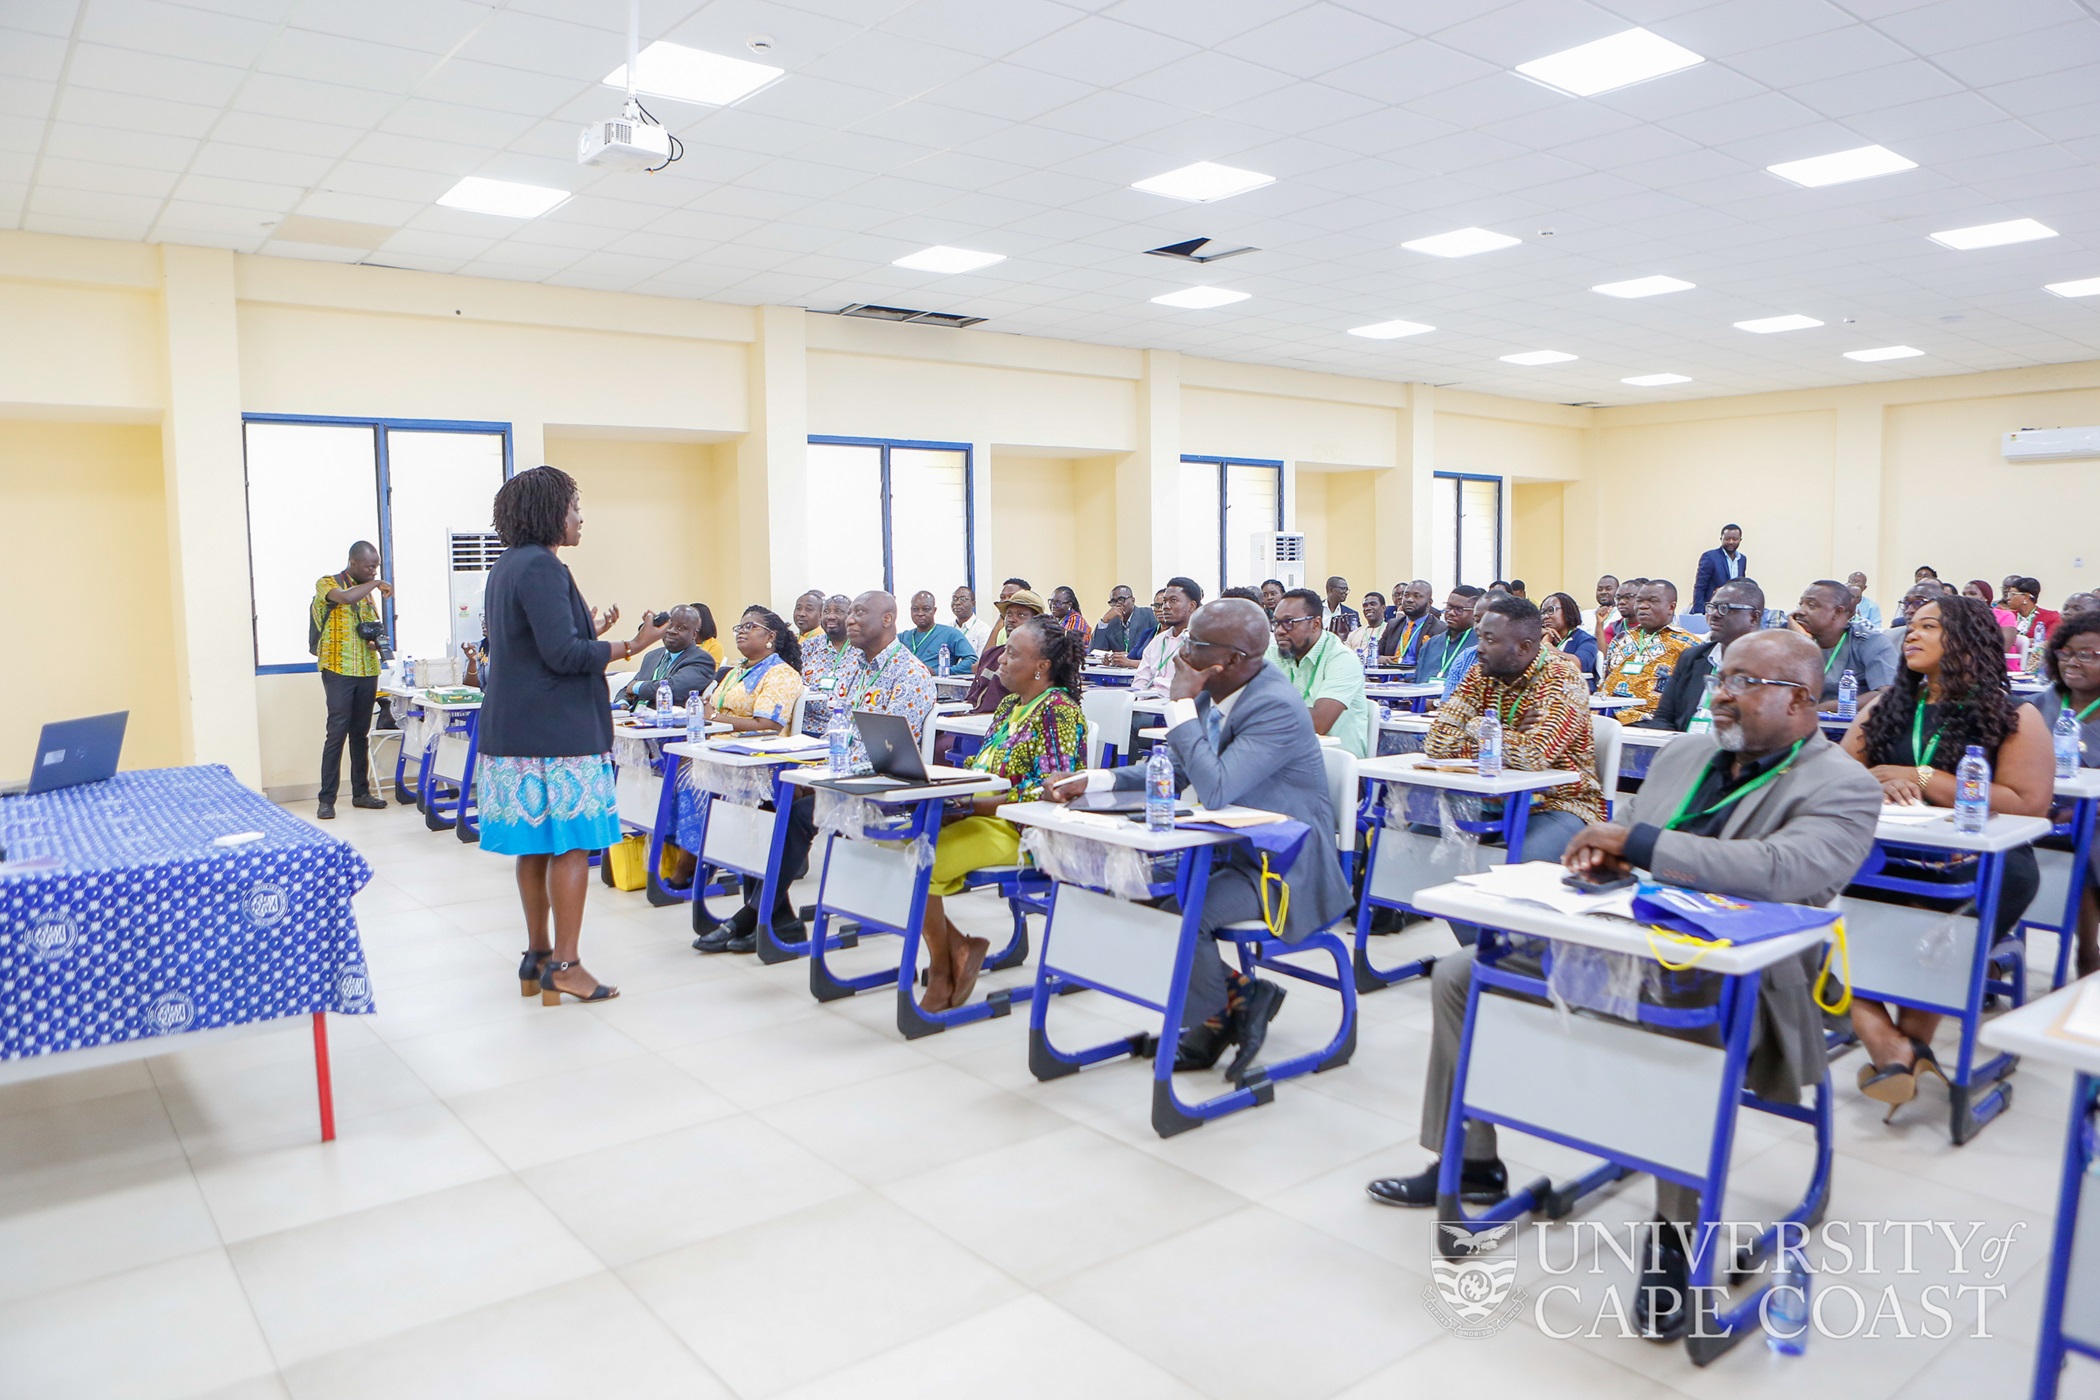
<point>2082,1020</point>
<point>1907,814</point>
<point>781,743</point>
<point>1539,882</point>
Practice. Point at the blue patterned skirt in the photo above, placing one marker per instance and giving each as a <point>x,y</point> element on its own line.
<point>545,806</point>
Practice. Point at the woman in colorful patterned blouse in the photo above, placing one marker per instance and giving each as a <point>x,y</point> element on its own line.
<point>763,691</point>
<point>1037,728</point>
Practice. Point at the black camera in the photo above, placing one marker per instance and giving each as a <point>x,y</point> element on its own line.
<point>371,631</point>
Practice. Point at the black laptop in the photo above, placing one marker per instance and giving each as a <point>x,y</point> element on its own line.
<point>73,751</point>
<point>895,757</point>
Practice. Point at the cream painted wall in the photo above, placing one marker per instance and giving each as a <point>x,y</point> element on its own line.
<point>1536,527</point>
<point>1510,449</point>
<point>87,561</point>
<point>1336,515</point>
<point>1053,522</point>
<point>657,525</point>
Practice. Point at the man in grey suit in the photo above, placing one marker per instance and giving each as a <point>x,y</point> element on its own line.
<point>681,662</point>
<point>1763,808</point>
<point>1240,733</point>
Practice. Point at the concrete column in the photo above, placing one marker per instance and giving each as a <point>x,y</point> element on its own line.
<point>207,498</point>
<point>1855,498</point>
<point>980,522</point>
<point>1401,497</point>
<point>1148,481</point>
<point>773,461</point>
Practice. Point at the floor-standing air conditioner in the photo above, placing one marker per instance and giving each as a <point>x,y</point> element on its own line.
<point>1279,554</point>
<point>472,554</point>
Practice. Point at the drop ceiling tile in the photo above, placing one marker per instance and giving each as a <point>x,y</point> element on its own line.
<point>61,201</point>
<point>892,64</point>
<point>70,173</point>
<point>240,194</point>
<point>579,53</point>
<point>23,134</point>
<point>388,68</point>
<point>24,55</point>
<point>1011,92</point>
<point>989,31</point>
<point>1408,71</point>
<point>141,149</point>
<point>2020,56</point>
<point>1723,32</point>
<point>1207,81</point>
<point>415,153</point>
<point>270,95</point>
<point>1895,126</point>
<point>754,131</point>
<point>361,208</point>
<point>152,75</point>
<point>26,97</point>
<point>1387,134</point>
<point>1956,24</point>
<point>473,84</point>
<point>1098,50</point>
<point>930,124</point>
<point>1315,39</point>
<point>150,26</point>
<point>53,17</point>
<point>15,168</point>
<point>1113,116</point>
<point>449,121</point>
<point>817,100</point>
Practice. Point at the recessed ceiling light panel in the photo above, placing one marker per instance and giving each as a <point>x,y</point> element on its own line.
<point>665,69</point>
<point>1767,325</point>
<point>1859,163</point>
<point>1204,181</point>
<point>1391,330</point>
<point>1538,357</point>
<point>1633,56</point>
<point>1200,298</point>
<point>1886,352</point>
<point>1461,243</point>
<point>1993,235</point>
<point>1656,381</point>
<point>940,258</point>
<point>2083,287</point>
<point>477,195</point>
<point>1644,287</point>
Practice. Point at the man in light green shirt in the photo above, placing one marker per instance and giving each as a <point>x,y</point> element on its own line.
<point>1325,671</point>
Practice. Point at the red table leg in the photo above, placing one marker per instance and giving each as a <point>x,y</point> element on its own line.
<point>322,1081</point>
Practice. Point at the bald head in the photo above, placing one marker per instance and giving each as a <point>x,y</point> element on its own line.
<point>1765,719</point>
<point>871,622</point>
<point>1228,639</point>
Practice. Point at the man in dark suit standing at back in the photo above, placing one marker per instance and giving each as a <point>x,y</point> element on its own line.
<point>1719,566</point>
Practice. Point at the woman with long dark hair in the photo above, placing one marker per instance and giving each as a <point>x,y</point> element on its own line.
<point>1949,695</point>
<point>2074,686</point>
<point>1037,731</point>
<point>1562,616</point>
<point>545,782</point>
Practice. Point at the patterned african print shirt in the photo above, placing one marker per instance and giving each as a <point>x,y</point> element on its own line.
<point>1022,732</point>
<point>770,689</point>
<point>1545,724</point>
<point>1638,667</point>
<point>342,650</point>
<point>822,662</point>
<point>895,683</point>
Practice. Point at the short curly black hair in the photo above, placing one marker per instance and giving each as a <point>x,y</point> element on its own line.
<point>533,507</point>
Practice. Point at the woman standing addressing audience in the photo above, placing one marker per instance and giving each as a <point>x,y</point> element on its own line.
<point>546,777</point>
<point>1037,729</point>
<point>1951,693</point>
<point>2074,665</point>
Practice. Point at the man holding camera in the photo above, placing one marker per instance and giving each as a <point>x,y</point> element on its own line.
<point>347,631</point>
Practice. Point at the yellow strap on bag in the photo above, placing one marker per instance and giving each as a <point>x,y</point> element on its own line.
<point>1658,936</point>
<point>1274,923</point>
<point>1838,950</point>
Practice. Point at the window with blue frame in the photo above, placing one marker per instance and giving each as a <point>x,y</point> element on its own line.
<point>1226,503</point>
<point>317,484</point>
<point>891,513</point>
<point>1465,531</point>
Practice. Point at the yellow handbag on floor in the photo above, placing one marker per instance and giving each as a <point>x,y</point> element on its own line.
<point>630,862</point>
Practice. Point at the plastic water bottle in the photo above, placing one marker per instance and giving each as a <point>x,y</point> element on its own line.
<point>1848,695</point>
<point>408,672</point>
<point>1159,790</point>
<point>1786,1308</point>
<point>695,726</point>
<point>944,662</point>
<point>1972,792</point>
<point>2066,740</point>
<point>1490,745</point>
<point>838,733</point>
<point>665,706</point>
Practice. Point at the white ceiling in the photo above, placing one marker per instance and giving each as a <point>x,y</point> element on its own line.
<point>1016,126</point>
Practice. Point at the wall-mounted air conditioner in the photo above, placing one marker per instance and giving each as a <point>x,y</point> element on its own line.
<point>1278,554</point>
<point>472,554</point>
<point>2052,444</point>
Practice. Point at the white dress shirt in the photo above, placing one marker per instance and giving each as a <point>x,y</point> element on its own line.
<point>1157,661</point>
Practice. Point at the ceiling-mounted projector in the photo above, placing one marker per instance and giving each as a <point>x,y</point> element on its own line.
<point>629,141</point>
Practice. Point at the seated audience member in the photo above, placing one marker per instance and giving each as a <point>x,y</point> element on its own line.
<point>1732,614</point>
<point>1624,604</point>
<point>1981,591</point>
<point>1125,628</point>
<point>2078,603</point>
<point>1607,599</point>
<point>1064,611</point>
<point>928,636</point>
<point>708,637</point>
<point>963,603</point>
<point>2074,670</point>
<point>879,676</point>
<point>1172,604</point>
<point>1866,613</point>
<point>1271,590</point>
<point>985,690</point>
<point>826,655</point>
<point>1443,658</point>
<point>2032,622</point>
<point>1825,614</point>
<point>680,660</point>
<point>1800,841</point>
<point>1544,705</point>
<point>809,609</point>
<point>763,691</point>
<point>1007,590</point>
<point>1325,673</point>
<point>1413,622</point>
<point>1238,732</point>
<point>1341,619</point>
<point>1914,597</point>
<point>1923,572</point>
<point>1516,589</point>
<point>1644,654</point>
<point>1037,733</point>
<point>1244,593</point>
<point>1374,623</point>
<point>1950,694</point>
<point>1561,616</point>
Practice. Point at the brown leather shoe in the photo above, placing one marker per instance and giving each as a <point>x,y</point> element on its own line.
<point>969,961</point>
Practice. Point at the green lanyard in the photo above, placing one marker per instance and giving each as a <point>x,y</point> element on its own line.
<point>1451,651</point>
<point>1917,734</point>
<point>1017,719</point>
<point>1684,813</point>
<point>1835,653</point>
<point>2088,710</point>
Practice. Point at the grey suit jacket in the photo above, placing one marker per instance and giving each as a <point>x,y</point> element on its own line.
<point>692,669</point>
<point>1799,840</point>
<point>1266,756</point>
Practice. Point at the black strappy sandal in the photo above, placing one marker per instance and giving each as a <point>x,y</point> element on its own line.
<point>529,970</point>
<point>551,995</point>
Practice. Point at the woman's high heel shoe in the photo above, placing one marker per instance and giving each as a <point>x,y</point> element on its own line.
<point>551,995</point>
<point>1892,1084</point>
<point>1926,1060</point>
<point>529,970</point>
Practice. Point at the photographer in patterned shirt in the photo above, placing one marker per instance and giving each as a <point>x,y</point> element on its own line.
<point>345,630</point>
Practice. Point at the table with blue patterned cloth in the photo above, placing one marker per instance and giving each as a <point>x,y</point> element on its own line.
<point>122,923</point>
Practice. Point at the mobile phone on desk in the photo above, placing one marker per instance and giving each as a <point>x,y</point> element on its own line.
<point>1604,884</point>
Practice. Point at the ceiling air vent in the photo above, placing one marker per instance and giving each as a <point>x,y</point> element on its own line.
<point>1198,250</point>
<point>917,318</point>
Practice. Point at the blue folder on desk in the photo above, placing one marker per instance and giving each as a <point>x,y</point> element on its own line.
<point>1717,917</point>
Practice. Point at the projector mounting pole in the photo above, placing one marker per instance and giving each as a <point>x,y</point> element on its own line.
<point>634,48</point>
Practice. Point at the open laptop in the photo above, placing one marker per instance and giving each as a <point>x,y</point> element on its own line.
<point>73,751</point>
<point>895,757</point>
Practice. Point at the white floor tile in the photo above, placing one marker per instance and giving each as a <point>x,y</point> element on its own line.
<point>59,1229</point>
<point>558,1115</point>
<point>904,1123</point>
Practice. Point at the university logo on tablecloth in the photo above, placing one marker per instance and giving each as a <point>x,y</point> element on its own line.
<point>354,985</point>
<point>266,904</point>
<point>171,1013</point>
<point>53,936</point>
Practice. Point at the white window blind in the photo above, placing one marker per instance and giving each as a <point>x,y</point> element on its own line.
<point>929,525</point>
<point>313,490</point>
<point>1466,532</point>
<point>1253,504</point>
<point>1200,524</point>
<point>438,482</point>
<point>845,517</point>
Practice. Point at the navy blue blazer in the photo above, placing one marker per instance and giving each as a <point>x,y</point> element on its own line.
<point>1713,572</point>
<point>546,696</point>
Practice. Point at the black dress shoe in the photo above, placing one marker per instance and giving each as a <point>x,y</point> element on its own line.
<point>368,802</point>
<point>742,943</point>
<point>1662,1299</point>
<point>1479,1183</point>
<point>325,812</point>
<point>787,929</point>
<point>1200,1046</point>
<point>1257,1009</point>
<point>723,937</point>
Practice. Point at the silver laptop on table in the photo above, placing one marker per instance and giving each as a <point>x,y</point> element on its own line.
<point>73,751</point>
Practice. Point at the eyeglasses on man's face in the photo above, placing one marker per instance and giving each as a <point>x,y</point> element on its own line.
<point>1740,685</point>
<point>1723,609</point>
<point>1285,624</point>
